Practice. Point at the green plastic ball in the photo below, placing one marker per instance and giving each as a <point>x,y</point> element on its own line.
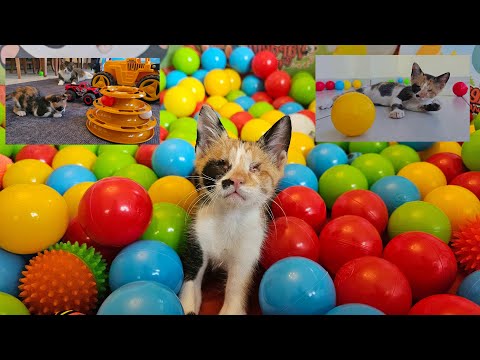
<point>10,305</point>
<point>126,149</point>
<point>229,125</point>
<point>110,162</point>
<point>163,80</point>
<point>184,134</point>
<point>138,173</point>
<point>232,95</point>
<point>303,90</point>
<point>169,224</point>
<point>187,60</point>
<point>5,149</point>
<point>184,123</point>
<point>301,74</point>
<point>17,148</point>
<point>338,180</point>
<point>406,81</point>
<point>260,108</point>
<point>471,152</point>
<point>400,156</point>
<point>92,148</point>
<point>374,167</point>
<point>40,73</point>
<point>420,216</point>
<point>2,114</point>
<point>476,121</point>
<point>366,147</point>
<point>167,118</point>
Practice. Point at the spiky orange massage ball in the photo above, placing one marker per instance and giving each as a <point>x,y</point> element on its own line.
<point>466,245</point>
<point>56,280</point>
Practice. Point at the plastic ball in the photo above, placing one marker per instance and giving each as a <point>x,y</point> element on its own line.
<point>376,282</point>
<point>295,156</point>
<point>187,60</point>
<point>476,122</point>
<point>11,266</point>
<point>5,162</point>
<point>374,167</point>
<point>460,88</point>
<point>115,211</point>
<point>418,146</point>
<point>347,84</point>
<point>251,84</point>
<point>229,125</point>
<point>213,58</point>
<point>174,77</point>
<point>5,150</point>
<point>64,177</point>
<point>355,309</point>
<point>303,90</point>
<point>175,190</point>
<point>445,304</point>
<point>18,147</point>
<point>138,173</point>
<point>290,108</point>
<point>184,123</point>
<point>261,96</point>
<point>424,175</point>
<point>74,155</point>
<point>296,174</point>
<point>301,142</point>
<point>173,157</point>
<point>278,102</point>
<point>163,80</point>
<point>330,85</point>
<point>395,191</point>
<point>44,153</point>
<point>27,171</point>
<point>469,180</point>
<point>441,147</point>
<point>180,101</point>
<point>366,147</point>
<point>296,286</point>
<point>109,101</point>
<point>241,59</point>
<point>142,298</point>
<point>166,118</point>
<point>309,114</point>
<point>324,156</point>
<point>10,305</point>
<point>428,263</point>
<point>260,108</point>
<point>400,156</point>
<point>217,83</point>
<point>339,85</point>
<point>254,129</point>
<point>357,84</point>
<point>230,109</point>
<point>234,94</point>
<point>272,116</point>
<point>420,216</point>
<point>240,119</point>
<point>144,155</point>
<point>278,84</point>
<point>245,102</point>
<point>470,287</point>
<point>470,151</point>
<point>302,124</point>
<point>235,79</point>
<point>319,86</point>
<point>110,162</point>
<point>126,149</point>
<point>264,63</point>
<point>353,114</point>
<point>352,156</point>
<point>194,86</point>
<point>200,74</point>
<point>216,102</point>
<point>73,196</point>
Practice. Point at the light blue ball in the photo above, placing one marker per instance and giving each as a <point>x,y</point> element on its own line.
<point>296,286</point>
<point>173,157</point>
<point>213,58</point>
<point>245,102</point>
<point>11,267</point>
<point>174,77</point>
<point>297,174</point>
<point>355,309</point>
<point>148,260</point>
<point>252,84</point>
<point>142,298</point>
<point>323,156</point>
<point>352,156</point>
<point>470,287</point>
<point>339,85</point>
<point>400,80</point>
<point>417,146</point>
<point>64,177</point>
<point>200,74</point>
<point>241,59</point>
<point>291,108</point>
<point>395,191</point>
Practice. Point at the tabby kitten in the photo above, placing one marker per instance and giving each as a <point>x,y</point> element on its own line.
<point>27,99</point>
<point>68,73</point>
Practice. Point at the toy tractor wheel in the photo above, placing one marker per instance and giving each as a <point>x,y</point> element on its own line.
<point>102,79</point>
<point>71,95</point>
<point>150,85</point>
<point>88,99</point>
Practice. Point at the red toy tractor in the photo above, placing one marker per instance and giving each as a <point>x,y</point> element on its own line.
<point>85,91</point>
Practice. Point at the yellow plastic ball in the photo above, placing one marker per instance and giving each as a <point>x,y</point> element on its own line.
<point>353,114</point>
<point>254,129</point>
<point>347,84</point>
<point>74,155</point>
<point>217,82</point>
<point>458,203</point>
<point>424,175</point>
<point>73,196</point>
<point>272,116</point>
<point>313,106</point>
<point>231,135</point>
<point>216,102</point>
<point>235,79</point>
<point>28,171</point>
<point>357,84</point>
<point>175,190</point>
<point>32,218</point>
<point>301,142</point>
<point>180,101</point>
<point>472,128</point>
<point>442,146</point>
<point>195,86</point>
<point>229,109</point>
<point>295,156</point>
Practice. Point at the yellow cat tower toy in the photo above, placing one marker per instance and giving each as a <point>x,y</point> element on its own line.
<point>120,116</point>
<point>130,72</point>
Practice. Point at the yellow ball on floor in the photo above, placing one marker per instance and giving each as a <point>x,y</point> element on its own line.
<point>74,155</point>
<point>175,190</point>
<point>73,196</point>
<point>272,116</point>
<point>357,84</point>
<point>347,84</point>
<point>424,175</point>
<point>216,102</point>
<point>230,109</point>
<point>254,129</point>
<point>301,142</point>
<point>353,114</point>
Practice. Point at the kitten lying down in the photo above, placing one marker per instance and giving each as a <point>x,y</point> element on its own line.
<point>27,99</point>
<point>236,181</point>
<point>68,73</point>
<point>420,96</point>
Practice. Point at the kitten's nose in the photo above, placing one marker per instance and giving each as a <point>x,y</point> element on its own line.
<point>236,182</point>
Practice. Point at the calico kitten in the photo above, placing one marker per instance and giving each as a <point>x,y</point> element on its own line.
<point>236,182</point>
<point>420,96</point>
<point>27,99</point>
<point>68,73</point>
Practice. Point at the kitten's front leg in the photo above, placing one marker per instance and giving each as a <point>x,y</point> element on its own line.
<point>435,105</point>
<point>57,115</point>
<point>19,111</point>
<point>396,109</point>
<point>60,80</point>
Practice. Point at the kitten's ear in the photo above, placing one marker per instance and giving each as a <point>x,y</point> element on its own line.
<point>277,140</point>
<point>209,129</point>
<point>442,79</point>
<point>416,70</point>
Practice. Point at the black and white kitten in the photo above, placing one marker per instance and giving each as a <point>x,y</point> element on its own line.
<point>68,73</point>
<point>420,96</point>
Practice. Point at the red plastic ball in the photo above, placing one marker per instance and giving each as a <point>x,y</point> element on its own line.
<point>278,84</point>
<point>330,85</point>
<point>376,282</point>
<point>428,263</point>
<point>460,88</point>
<point>115,211</point>
<point>320,86</point>
<point>145,152</point>
<point>264,63</point>
<point>303,203</point>
<point>346,238</point>
<point>309,114</point>
<point>162,95</point>
<point>198,107</point>
<point>163,133</point>
<point>445,304</point>
<point>278,102</point>
<point>363,203</point>
<point>44,153</point>
<point>240,119</point>
<point>469,180</point>
<point>451,164</point>
<point>261,96</point>
<point>289,236</point>
<point>108,100</point>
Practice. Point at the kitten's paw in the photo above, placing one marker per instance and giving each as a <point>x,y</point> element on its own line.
<point>434,106</point>
<point>326,104</point>
<point>21,113</point>
<point>232,310</point>
<point>74,83</point>
<point>61,82</point>
<point>397,114</point>
<point>190,298</point>
<point>57,115</point>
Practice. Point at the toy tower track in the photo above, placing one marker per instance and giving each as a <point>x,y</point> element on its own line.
<point>121,117</point>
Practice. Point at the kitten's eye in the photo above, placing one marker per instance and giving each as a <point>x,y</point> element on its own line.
<point>254,167</point>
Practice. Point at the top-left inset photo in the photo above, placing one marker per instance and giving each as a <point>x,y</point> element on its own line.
<point>82,100</point>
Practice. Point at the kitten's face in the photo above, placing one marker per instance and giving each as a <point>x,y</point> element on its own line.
<point>426,86</point>
<point>66,67</point>
<point>234,173</point>
<point>58,102</point>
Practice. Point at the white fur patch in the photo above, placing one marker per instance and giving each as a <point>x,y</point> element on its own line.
<point>397,114</point>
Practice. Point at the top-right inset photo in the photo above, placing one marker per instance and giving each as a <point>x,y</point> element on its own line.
<point>393,98</point>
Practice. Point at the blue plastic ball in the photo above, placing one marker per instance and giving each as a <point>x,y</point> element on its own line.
<point>64,177</point>
<point>297,174</point>
<point>174,77</point>
<point>241,59</point>
<point>245,102</point>
<point>200,74</point>
<point>291,108</point>
<point>395,191</point>
<point>418,146</point>
<point>323,156</point>
<point>173,157</point>
<point>352,156</point>
<point>162,107</point>
<point>355,309</point>
<point>296,286</point>
<point>339,85</point>
<point>252,84</point>
<point>142,298</point>
<point>213,58</point>
<point>148,260</point>
<point>400,80</point>
<point>11,267</point>
<point>470,287</point>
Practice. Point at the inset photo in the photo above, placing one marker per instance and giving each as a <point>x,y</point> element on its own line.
<point>392,98</point>
<point>82,101</point>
